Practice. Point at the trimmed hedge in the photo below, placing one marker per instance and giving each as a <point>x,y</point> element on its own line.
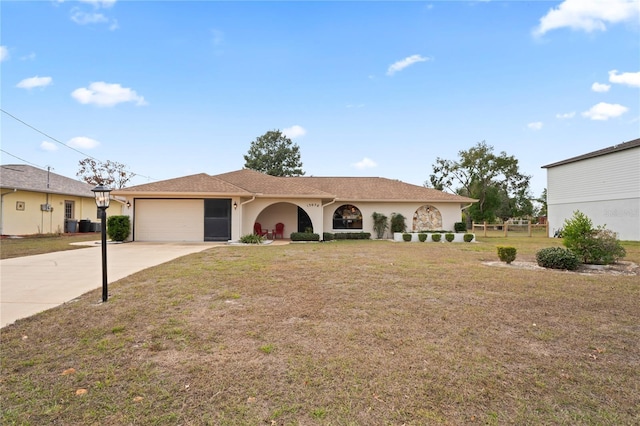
<point>304,236</point>
<point>557,258</point>
<point>449,236</point>
<point>422,237</point>
<point>460,227</point>
<point>507,254</point>
<point>327,236</point>
<point>467,238</point>
<point>436,237</point>
<point>352,236</point>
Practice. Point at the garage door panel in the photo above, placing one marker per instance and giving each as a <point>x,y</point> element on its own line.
<point>169,220</point>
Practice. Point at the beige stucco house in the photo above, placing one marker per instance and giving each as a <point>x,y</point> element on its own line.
<point>37,201</point>
<point>225,207</point>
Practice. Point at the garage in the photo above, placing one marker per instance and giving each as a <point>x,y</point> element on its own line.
<point>168,220</point>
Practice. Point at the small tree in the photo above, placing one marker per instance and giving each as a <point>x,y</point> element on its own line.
<point>108,173</point>
<point>274,154</point>
<point>118,227</point>
<point>591,245</point>
<point>380,224</point>
<point>398,223</point>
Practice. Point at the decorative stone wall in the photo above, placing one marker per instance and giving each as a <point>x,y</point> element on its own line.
<point>427,218</point>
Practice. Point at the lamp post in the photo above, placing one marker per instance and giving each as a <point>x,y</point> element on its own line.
<point>102,201</point>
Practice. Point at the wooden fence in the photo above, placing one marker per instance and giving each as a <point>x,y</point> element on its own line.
<point>509,229</point>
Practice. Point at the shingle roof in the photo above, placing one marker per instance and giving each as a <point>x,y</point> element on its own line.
<point>29,178</point>
<point>250,182</point>
<point>376,188</point>
<point>260,183</point>
<point>615,148</point>
<point>200,183</point>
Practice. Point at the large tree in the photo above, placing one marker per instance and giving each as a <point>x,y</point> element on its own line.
<point>108,173</point>
<point>274,154</point>
<point>494,180</point>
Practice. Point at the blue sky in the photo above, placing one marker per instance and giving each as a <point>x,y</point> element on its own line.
<point>365,88</point>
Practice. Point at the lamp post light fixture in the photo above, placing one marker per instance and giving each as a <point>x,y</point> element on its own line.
<point>101,193</point>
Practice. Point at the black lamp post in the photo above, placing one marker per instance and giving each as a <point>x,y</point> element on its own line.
<point>102,201</point>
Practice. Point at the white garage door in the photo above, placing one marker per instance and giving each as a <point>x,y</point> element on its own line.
<point>169,220</point>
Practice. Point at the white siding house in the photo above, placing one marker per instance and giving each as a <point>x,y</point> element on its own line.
<point>604,185</point>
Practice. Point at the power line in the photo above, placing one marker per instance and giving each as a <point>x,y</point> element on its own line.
<point>22,159</point>
<point>56,140</point>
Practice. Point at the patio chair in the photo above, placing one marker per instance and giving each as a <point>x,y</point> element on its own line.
<point>279,230</point>
<point>257,229</point>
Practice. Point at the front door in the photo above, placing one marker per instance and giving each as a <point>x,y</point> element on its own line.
<point>217,220</point>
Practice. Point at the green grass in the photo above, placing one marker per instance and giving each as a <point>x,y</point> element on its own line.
<point>344,333</point>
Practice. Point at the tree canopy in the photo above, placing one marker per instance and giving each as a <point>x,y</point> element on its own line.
<point>494,180</point>
<point>108,173</point>
<point>274,154</point>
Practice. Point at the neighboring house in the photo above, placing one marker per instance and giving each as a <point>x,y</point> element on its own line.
<point>36,201</point>
<point>225,207</point>
<point>604,185</point>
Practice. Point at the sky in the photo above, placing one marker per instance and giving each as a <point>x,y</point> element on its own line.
<point>364,88</point>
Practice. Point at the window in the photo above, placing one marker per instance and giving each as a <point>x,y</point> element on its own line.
<point>68,209</point>
<point>347,216</point>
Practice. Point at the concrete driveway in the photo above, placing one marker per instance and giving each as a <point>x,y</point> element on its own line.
<point>33,284</point>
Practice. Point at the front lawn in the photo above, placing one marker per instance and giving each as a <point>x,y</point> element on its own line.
<point>341,333</point>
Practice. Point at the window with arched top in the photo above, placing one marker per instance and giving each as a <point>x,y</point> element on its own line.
<point>427,218</point>
<point>347,216</point>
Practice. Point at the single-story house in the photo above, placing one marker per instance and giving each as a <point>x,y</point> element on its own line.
<point>227,206</point>
<point>603,184</point>
<point>37,201</point>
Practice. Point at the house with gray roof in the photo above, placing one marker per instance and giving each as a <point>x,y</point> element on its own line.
<point>226,206</point>
<point>603,184</point>
<point>37,201</point>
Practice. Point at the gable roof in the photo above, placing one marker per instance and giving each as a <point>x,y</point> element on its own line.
<point>28,178</point>
<point>194,184</point>
<point>248,182</point>
<point>615,148</point>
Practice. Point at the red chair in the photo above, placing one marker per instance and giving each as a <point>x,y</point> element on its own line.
<point>257,229</point>
<point>279,231</point>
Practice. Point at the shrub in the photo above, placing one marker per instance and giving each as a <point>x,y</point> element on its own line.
<point>398,223</point>
<point>460,227</point>
<point>380,224</point>
<point>327,236</point>
<point>557,258</point>
<point>422,237</point>
<point>468,238</point>
<point>304,236</point>
<point>406,237</point>
<point>591,245</point>
<point>352,235</point>
<point>436,237</point>
<point>118,227</point>
<point>449,236</point>
<point>251,239</point>
<point>507,254</point>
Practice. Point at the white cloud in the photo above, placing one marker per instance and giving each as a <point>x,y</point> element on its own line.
<point>4,53</point>
<point>566,115</point>
<point>536,125</point>
<point>30,57</point>
<point>588,15</point>
<point>604,111</point>
<point>83,142</point>
<point>48,146</point>
<point>105,94</point>
<point>600,87</point>
<point>31,82</point>
<point>84,18</point>
<point>628,78</point>
<point>404,63</point>
<point>365,163</point>
<point>100,3</point>
<point>294,131</point>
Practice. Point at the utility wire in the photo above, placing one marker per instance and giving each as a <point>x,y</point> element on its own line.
<point>56,140</point>
<point>21,159</point>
